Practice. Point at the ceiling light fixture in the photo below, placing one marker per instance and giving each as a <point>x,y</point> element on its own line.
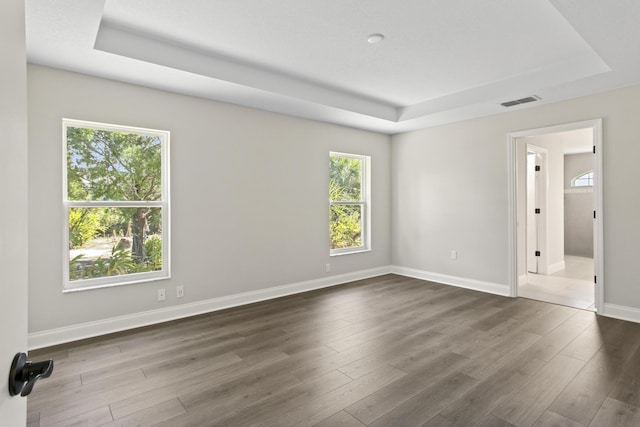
<point>375,38</point>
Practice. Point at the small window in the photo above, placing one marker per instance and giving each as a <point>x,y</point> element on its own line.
<point>584,180</point>
<point>116,200</point>
<point>349,205</point>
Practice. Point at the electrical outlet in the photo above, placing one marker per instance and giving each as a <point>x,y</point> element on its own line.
<point>180,292</point>
<point>161,295</point>
<point>454,254</point>
<point>327,268</point>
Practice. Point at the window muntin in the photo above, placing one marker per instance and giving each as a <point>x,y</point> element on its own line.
<point>348,203</point>
<point>583,180</point>
<point>116,203</point>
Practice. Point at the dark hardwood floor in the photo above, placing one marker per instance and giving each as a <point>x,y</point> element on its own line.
<point>388,351</point>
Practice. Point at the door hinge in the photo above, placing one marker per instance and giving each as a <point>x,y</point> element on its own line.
<point>594,214</point>
<point>537,168</point>
<point>594,149</point>
<point>537,253</point>
<point>595,279</point>
<point>537,210</point>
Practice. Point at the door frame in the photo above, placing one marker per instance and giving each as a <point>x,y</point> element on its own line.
<point>598,236</point>
<point>541,187</point>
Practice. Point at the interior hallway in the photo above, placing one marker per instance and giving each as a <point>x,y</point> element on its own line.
<point>572,286</point>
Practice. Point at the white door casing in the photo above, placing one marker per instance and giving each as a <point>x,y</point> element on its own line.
<point>536,224</point>
<point>532,221</point>
<point>513,158</point>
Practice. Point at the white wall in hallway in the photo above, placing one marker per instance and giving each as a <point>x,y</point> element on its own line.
<point>578,232</point>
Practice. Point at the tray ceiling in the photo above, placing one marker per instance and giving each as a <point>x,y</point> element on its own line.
<point>438,62</point>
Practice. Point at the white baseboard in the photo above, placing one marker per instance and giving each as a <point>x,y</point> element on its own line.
<point>621,312</point>
<point>115,324</point>
<point>554,268</point>
<point>522,279</point>
<point>461,282</point>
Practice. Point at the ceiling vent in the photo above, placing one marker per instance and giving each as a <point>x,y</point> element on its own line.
<point>521,101</point>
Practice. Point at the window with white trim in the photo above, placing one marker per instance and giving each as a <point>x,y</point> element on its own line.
<point>583,180</point>
<point>116,204</point>
<point>349,203</point>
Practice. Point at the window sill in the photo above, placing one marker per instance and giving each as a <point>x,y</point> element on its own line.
<point>131,281</point>
<point>356,251</point>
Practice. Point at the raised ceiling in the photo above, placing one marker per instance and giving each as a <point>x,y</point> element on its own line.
<point>440,61</point>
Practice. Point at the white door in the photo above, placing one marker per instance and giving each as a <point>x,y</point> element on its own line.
<point>532,218</point>
<point>14,212</point>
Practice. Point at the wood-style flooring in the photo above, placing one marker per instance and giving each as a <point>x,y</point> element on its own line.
<point>387,351</point>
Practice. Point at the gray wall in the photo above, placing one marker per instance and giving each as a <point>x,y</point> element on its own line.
<point>249,196</point>
<point>578,207</point>
<point>449,191</point>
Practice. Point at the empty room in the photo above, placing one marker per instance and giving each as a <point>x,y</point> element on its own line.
<point>322,213</point>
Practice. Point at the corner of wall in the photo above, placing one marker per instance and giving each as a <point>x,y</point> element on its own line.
<point>461,282</point>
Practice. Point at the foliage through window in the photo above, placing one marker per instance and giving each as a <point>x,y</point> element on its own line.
<point>348,203</point>
<point>584,180</point>
<point>116,203</point>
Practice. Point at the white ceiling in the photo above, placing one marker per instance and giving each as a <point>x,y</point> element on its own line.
<point>440,61</point>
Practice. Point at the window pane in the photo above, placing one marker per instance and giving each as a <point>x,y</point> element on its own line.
<point>345,179</point>
<point>114,241</point>
<point>345,225</point>
<point>585,180</point>
<point>109,165</point>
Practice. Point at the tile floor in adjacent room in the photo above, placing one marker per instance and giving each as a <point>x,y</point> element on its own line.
<point>572,286</point>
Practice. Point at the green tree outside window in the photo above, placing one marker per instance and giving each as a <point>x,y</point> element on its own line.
<point>114,200</point>
<point>346,201</point>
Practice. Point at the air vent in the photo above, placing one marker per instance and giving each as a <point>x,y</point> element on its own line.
<point>521,101</point>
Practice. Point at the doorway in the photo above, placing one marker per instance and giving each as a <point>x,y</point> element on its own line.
<point>545,263</point>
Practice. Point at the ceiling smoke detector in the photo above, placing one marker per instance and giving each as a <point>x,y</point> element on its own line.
<point>532,98</point>
<point>375,38</point>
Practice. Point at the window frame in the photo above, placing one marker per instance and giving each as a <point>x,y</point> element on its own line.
<point>164,205</point>
<point>591,178</point>
<point>364,202</point>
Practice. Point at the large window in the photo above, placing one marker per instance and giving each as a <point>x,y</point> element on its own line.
<point>116,202</point>
<point>349,203</point>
